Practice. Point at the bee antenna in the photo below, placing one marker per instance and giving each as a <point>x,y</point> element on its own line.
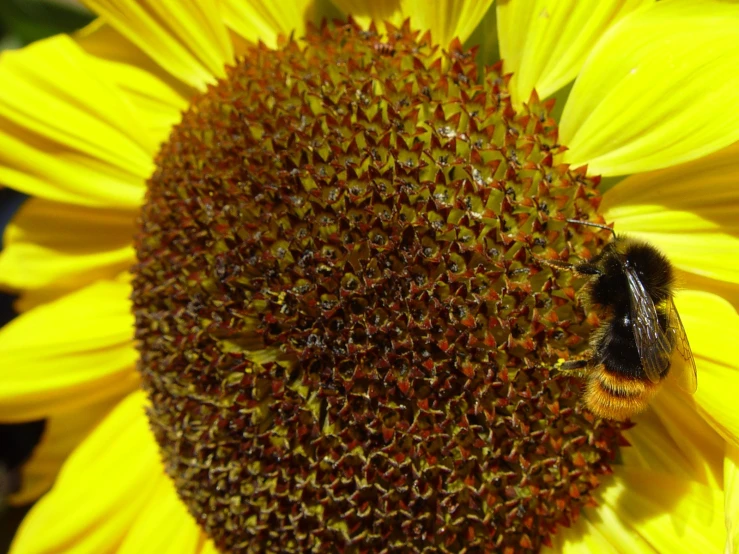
<point>591,224</point>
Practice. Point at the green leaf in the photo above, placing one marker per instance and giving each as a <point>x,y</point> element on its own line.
<point>23,21</point>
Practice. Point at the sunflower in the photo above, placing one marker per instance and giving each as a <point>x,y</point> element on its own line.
<point>287,165</point>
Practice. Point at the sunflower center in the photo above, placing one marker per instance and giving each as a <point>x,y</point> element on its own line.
<point>343,330</point>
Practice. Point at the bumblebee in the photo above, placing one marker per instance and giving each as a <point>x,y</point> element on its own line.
<point>631,288</point>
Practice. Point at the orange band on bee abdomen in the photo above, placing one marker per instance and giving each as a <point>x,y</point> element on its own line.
<point>611,396</point>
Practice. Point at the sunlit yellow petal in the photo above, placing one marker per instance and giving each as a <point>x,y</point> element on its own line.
<point>446,19</point>
<point>265,20</point>
<point>71,352</point>
<point>727,291</point>
<point>63,432</point>
<point>101,490</point>
<point>689,211</point>
<point>599,530</point>
<point>670,514</point>
<point>185,37</point>
<point>29,299</point>
<point>163,526</point>
<point>641,104</point>
<point>152,92</point>
<point>653,448</point>
<point>55,145</point>
<point>672,438</point>
<point>691,242</point>
<point>731,498</point>
<point>545,42</point>
<point>650,512</point>
<point>695,446</point>
<point>581,538</point>
<point>710,321</point>
<point>62,246</point>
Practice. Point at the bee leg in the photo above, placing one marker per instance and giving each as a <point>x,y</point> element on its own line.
<point>557,264</point>
<point>573,368</point>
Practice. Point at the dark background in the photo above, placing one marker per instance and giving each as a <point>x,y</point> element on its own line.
<point>22,22</point>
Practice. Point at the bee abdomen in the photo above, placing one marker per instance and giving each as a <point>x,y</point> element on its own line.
<point>612,396</point>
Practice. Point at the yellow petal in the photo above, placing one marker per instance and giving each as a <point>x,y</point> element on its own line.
<point>65,132</point>
<point>672,438</point>
<point>712,324</point>
<point>670,514</point>
<point>691,242</point>
<point>650,512</point>
<point>63,246</point>
<point>727,291</point>
<point>641,104</point>
<point>731,498</point>
<point>446,19</point>
<point>72,352</point>
<point>598,530</point>
<point>265,20</point>
<point>688,211</point>
<point>113,479</point>
<point>158,98</point>
<point>185,37</point>
<point>545,42</point>
<point>581,538</point>
<point>652,447</point>
<point>163,526</point>
<point>33,298</point>
<point>63,432</point>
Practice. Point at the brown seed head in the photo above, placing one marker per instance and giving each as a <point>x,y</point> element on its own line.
<point>343,330</point>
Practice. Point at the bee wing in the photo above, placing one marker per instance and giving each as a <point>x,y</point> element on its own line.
<point>654,346</point>
<point>686,375</point>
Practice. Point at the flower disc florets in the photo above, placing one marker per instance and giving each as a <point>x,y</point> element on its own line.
<point>343,330</point>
